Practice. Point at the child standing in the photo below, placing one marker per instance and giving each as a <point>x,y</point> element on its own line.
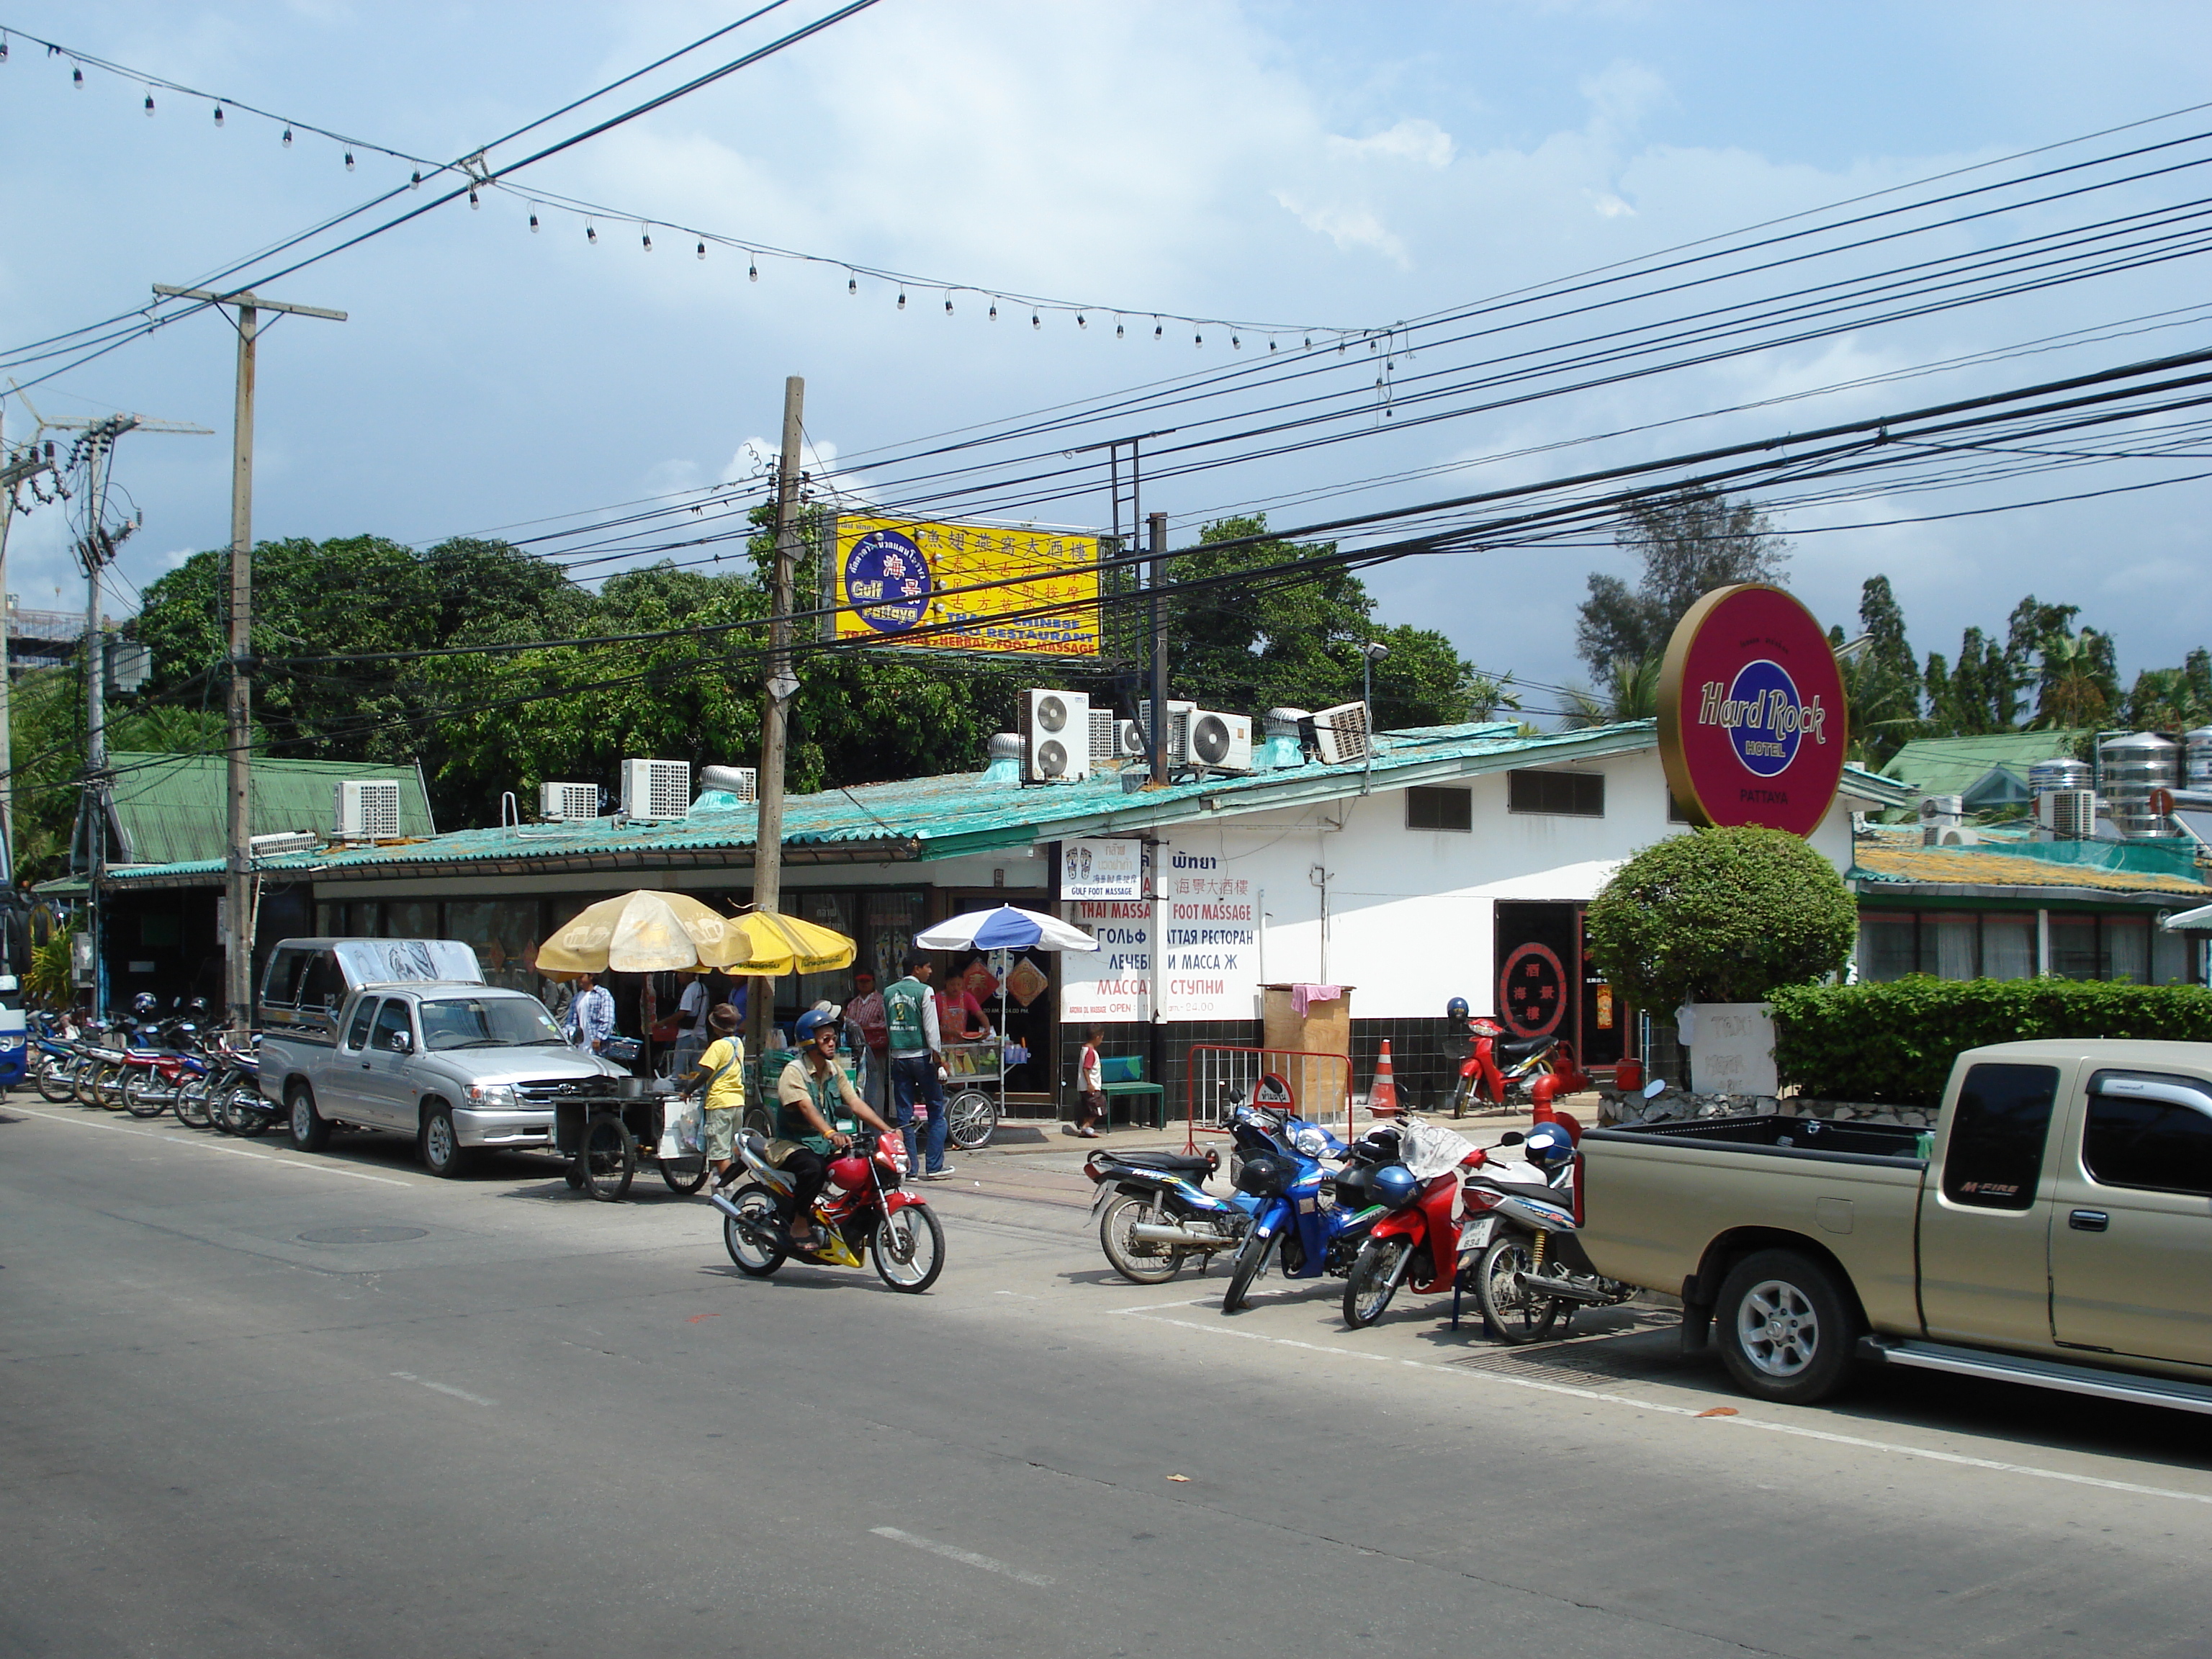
<point>1090,1085</point>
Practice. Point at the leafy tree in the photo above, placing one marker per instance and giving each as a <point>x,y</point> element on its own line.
<point>2172,699</point>
<point>1630,691</point>
<point>1721,916</point>
<point>1690,543</point>
<point>1881,677</point>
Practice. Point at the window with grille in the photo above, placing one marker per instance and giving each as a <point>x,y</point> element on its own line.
<point>1430,808</point>
<point>1560,794</point>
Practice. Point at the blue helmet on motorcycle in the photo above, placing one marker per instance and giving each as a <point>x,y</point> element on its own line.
<point>1547,1146</point>
<point>1455,1011</point>
<point>145,1004</point>
<point>1394,1187</point>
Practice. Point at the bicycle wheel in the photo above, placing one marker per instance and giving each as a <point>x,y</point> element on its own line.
<point>970,1117</point>
<point>609,1156</point>
<point>684,1175</point>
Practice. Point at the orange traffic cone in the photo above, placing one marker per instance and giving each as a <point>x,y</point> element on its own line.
<point>1383,1095</point>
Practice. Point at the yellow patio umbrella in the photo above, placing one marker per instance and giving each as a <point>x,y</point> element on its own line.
<point>772,944</point>
<point>642,932</point>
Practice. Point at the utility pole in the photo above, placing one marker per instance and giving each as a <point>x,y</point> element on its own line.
<point>238,882</point>
<point>781,685</point>
<point>1157,739</point>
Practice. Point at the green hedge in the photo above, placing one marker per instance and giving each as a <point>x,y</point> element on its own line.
<point>1895,1043</point>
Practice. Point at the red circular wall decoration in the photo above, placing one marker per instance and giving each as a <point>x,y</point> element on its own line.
<point>1753,723</point>
<point>1532,991</point>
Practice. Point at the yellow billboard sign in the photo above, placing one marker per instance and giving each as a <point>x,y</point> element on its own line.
<point>967,588</point>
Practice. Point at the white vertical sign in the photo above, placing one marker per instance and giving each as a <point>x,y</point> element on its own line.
<point>1112,984</point>
<point>1209,939</point>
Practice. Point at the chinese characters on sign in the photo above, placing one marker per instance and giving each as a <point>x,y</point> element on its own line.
<point>978,588</point>
<point>1532,991</point>
<point>1096,870</point>
<point>1210,936</point>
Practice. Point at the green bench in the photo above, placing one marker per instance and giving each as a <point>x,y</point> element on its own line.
<point>1123,1077</point>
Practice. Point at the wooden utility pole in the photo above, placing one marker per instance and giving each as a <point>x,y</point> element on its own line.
<point>781,686</point>
<point>237,873</point>
<point>1158,742</point>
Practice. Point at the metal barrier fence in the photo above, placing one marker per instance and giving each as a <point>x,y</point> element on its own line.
<point>1219,1079</point>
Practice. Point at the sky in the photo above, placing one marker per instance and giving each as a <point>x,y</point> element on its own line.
<point>1305,166</point>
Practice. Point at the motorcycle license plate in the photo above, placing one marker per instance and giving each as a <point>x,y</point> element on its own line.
<point>1476,1235</point>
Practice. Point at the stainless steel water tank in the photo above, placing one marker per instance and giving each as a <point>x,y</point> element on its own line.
<point>2196,758</point>
<point>2064,773</point>
<point>2133,766</point>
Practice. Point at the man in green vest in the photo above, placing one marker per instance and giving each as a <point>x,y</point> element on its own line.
<point>910,1015</point>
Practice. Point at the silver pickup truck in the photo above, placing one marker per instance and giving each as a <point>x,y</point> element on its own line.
<point>458,1067</point>
<point>2055,1228</point>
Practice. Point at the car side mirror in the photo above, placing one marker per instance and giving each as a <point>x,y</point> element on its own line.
<point>401,1043</point>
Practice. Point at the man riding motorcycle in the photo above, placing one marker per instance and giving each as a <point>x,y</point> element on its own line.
<point>808,1096</point>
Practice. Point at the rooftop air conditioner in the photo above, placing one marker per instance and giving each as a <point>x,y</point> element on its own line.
<point>1221,742</point>
<point>1105,745</point>
<point>368,810</point>
<point>1178,729</point>
<point>1935,809</point>
<point>1055,737</point>
<point>1340,734</point>
<point>2067,814</point>
<point>743,782</point>
<point>279,843</point>
<point>656,789</point>
<point>558,802</point>
<point>1128,740</point>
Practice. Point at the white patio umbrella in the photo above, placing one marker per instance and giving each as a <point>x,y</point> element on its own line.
<point>1009,927</point>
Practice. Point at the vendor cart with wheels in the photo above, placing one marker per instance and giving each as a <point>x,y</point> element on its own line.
<point>975,1090</point>
<point>605,1133</point>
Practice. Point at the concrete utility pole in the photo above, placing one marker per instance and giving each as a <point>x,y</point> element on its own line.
<point>781,685</point>
<point>238,883</point>
<point>1158,741</point>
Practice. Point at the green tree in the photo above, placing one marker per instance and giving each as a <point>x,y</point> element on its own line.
<point>1689,543</point>
<point>2172,699</point>
<point>1628,691</point>
<point>1721,916</point>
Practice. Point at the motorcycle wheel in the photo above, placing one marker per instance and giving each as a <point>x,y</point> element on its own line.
<point>1138,1262</point>
<point>53,1080</point>
<point>756,1243</point>
<point>1516,1315</point>
<point>1372,1281</point>
<point>1251,1261</point>
<point>608,1157</point>
<point>108,1086</point>
<point>84,1079</point>
<point>143,1095</point>
<point>191,1105</point>
<point>970,1118</point>
<point>908,1247</point>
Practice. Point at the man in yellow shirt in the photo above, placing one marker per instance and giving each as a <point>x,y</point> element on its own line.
<point>723,1065</point>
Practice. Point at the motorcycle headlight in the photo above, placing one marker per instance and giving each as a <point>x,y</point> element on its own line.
<point>492,1096</point>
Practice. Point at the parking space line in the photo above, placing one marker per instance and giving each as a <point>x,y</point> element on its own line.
<point>968,1558</point>
<point>445,1387</point>
<point>207,1146</point>
<point>1691,1414</point>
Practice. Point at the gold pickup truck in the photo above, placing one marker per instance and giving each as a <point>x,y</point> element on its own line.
<point>2055,1228</point>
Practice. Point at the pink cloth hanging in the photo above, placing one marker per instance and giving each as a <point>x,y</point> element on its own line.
<point>1301,995</point>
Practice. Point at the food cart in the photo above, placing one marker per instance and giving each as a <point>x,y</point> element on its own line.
<point>971,1113</point>
<point>604,1131</point>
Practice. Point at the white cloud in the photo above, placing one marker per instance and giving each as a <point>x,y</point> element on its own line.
<point>1347,227</point>
<point>1410,140</point>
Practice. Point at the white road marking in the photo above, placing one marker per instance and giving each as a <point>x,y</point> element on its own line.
<point>968,1558</point>
<point>445,1388</point>
<point>210,1146</point>
<point>1957,1459</point>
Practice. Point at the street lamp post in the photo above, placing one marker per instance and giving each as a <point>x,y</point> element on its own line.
<point>1370,654</point>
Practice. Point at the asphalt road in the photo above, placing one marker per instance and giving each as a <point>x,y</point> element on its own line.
<point>257,1403</point>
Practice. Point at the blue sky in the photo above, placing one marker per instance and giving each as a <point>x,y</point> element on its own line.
<point>1290,163</point>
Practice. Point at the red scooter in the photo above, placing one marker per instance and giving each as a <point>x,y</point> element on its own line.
<point>1418,1243</point>
<point>1504,1070</point>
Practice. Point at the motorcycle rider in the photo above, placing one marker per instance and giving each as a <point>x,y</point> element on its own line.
<point>810,1096</point>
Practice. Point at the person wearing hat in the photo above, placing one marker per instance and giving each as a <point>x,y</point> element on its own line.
<point>811,1096</point>
<point>723,1066</point>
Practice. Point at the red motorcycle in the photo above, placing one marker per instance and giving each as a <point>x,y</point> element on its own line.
<point>1504,1070</point>
<point>862,1206</point>
<point>1418,1243</point>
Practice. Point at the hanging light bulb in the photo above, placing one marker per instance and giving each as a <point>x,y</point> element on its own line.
<point>149,103</point>
<point>1035,321</point>
<point>218,111</point>
<point>1271,344</point>
<point>287,138</point>
<point>415,179</point>
<point>3,49</point>
<point>1309,343</point>
<point>1158,332</point>
<point>703,247</point>
<point>77,76</point>
<point>646,238</point>
<point>590,235</point>
<point>348,159</point>
<point>473,202</point>
<point>948,305</point>
<point>902,304</point>
<point>852,285</point>
<point>995,311</point>
<point>1198,339</point>
<point>1081,321</point>
<point>1118,333</point>
<point>752,271</point>
<point>1235,344</point>
<point>533,224</point>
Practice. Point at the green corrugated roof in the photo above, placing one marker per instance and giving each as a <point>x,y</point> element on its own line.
<point>171,806</point>
<point>950,816</point>
<point>1946,766</point>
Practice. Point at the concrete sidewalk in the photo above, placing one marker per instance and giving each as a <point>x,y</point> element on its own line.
<point>1022,1137</point>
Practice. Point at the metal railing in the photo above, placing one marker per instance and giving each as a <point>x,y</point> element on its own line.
<point>1219,1079</point>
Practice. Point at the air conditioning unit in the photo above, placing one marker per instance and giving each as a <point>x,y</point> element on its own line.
<point>279,843</point>
<point>656,789</point>
<point>1939,809</point>
<point>368,810</point>
<point>1221,742</point>
<point>1128,740</point>
<point>1055,737</point>
<point>743,782</point>
<point>1104,746</point>
<point>558,802</point>
<point>1178,729</point>
<point>2067,814</point>
<point>1341,733</point>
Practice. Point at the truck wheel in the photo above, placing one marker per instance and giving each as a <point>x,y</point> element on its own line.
<point>1786,1330</point>
<point>311,1130</point>
<point>438,1147</point>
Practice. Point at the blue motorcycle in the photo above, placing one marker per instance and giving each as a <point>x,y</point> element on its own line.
<point>1154,1213</point>
<point>1314,1217</point>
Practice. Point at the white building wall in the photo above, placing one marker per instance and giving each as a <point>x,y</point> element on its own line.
<point>1409,914</point>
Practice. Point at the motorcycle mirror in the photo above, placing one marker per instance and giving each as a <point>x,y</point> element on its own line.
<point>1654,1089</point>
<point>1510,1138</point>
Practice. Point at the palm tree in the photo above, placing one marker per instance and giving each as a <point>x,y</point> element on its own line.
<point>1630,692</point>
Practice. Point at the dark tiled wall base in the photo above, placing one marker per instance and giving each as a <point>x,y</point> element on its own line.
<point>1425,1056</point>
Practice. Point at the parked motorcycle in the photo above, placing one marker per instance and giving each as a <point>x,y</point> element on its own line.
<point>862,1205</point>
<point>234,1099</point>
<point>1154,1213</point>
<point>1505,1070</point>
<point>54,1059</point>
<point>1312,1217</point>
<point>1531,1271</point>
<point>157,1066</point>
